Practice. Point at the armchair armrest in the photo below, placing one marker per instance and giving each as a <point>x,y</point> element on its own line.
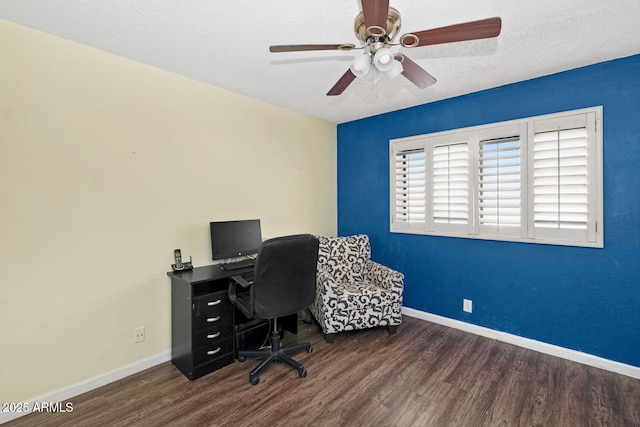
<point>385,277</point>
<point>324,279</point>
<point>326,285</point>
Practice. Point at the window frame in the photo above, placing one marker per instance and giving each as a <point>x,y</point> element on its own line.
<point>524,130</point>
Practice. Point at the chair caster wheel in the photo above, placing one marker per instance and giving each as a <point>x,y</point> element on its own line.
<point>310,348</point>
<point>302,372</point>
<point>241,358</point>
<point>254,380</point>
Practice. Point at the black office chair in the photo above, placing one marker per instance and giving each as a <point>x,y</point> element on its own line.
<point>284,282</point>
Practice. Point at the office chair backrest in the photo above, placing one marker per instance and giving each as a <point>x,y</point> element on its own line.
<point>284,277</point>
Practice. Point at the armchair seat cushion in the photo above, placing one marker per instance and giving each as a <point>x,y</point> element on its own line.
<point>359,295</point>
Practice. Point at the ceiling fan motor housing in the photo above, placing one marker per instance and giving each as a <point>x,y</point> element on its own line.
<point>375,36</point>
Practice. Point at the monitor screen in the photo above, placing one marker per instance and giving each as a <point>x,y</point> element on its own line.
<point>230,239</point>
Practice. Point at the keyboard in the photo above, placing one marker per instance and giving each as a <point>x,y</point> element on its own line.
<point>249,262</point>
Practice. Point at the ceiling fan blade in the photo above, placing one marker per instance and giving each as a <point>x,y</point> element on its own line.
<point>473,30</point>
<point>342,84</point>
<point>415,73</point>
<point>303,47</point>
<point>375,13</point>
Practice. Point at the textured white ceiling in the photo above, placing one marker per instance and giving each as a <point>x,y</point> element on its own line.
<point>226,44</point>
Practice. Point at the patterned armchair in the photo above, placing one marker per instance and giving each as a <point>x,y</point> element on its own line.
<point>354,292</point>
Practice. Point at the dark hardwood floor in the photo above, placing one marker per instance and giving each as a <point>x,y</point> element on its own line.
<point>425,375</point>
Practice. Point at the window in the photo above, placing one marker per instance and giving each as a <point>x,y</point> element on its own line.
<point>533,180</point>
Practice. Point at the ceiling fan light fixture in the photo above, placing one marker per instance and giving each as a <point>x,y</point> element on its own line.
<point>361,65</point>
<point>372,76</point>
<point>383,59</point>
<point>395,70</point>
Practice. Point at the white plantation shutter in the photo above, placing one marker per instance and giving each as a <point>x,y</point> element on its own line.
<point>450,184</point>
<point>536,180</point>
<point>410,186</point>
<point>561,196</point>
<point>499,185</point>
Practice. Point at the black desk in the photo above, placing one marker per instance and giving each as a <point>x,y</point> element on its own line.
<point>206,329</point>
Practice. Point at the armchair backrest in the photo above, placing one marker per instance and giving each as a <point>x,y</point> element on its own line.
<point>345,258</point>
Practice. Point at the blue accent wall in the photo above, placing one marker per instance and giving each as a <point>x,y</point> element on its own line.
<point>583,299</point>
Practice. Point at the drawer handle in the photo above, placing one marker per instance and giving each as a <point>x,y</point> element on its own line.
<point>212,352</point>
<point>212,336</point>
<point>212,303</point>
<point>213,319</point>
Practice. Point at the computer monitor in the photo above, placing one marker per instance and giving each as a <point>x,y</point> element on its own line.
<point>231,239</point>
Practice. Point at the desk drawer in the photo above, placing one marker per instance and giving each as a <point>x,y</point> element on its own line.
<point>212,336</point>
<point>212,305</point>
<point>212,321</point>
<point>209,353</point>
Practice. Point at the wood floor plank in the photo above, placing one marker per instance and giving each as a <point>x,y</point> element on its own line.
<point>426,375</point>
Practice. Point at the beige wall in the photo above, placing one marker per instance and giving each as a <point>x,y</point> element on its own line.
<point>106,166</point>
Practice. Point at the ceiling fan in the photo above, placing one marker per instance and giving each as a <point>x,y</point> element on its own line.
<point>376,27</point>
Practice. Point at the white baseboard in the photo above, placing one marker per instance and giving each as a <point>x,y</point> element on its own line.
<point>553,350</point>
<point>89,384</point>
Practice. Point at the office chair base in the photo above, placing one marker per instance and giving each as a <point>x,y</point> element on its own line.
<point>275,354</point>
